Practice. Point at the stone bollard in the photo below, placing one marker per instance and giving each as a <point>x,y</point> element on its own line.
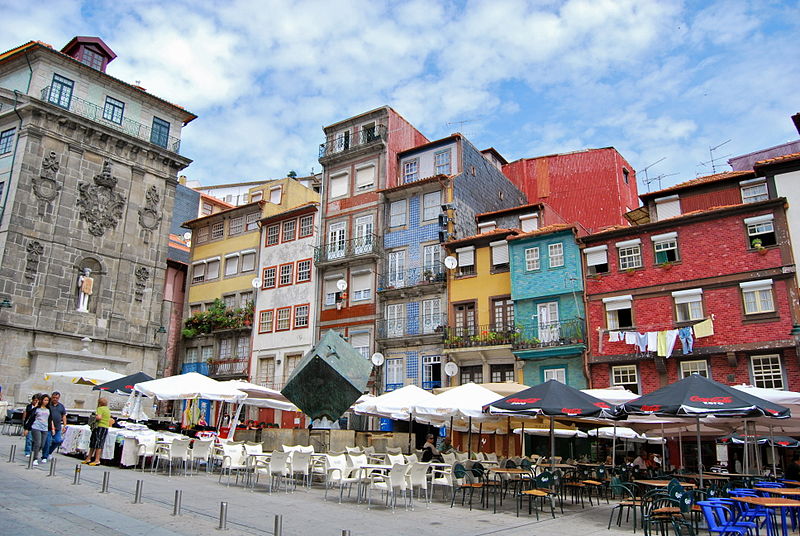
<point>223,516</point>
<point>12,453</point>
<point>176,506</point>
<point>137,494</point>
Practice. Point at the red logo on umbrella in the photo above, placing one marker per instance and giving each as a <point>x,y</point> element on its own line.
<point>715,400</point>
<point>773,411</point>
<point>783,443</point>
<point>129,387</point>
<point>651,408</point>
<point>572,411</point>
<point>602,405</point>
<point>523,400</point>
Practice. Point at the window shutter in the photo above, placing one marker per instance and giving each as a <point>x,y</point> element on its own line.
<point>687,296</point>
<point>338,185</point>
<point>365,177</point>
<point>275,195</point>
<point>529,222</point>
<point>596,255</point>
<point>668,207</point>
<point>232,264</point>
<point>248,260</point>
<point>499,252</point>
<point>212,269</point>
<point>359,339</point>
<point>466,256</point>
<point>618,302</point>
<point>362,281</point>
<point>763,284</point>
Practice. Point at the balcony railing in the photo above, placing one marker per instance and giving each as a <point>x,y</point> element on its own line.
<point>94,112</point>
<point>549,334</point>
<point>410,278</point>
<point>227,367</point>
<point>342,142</point>
<point>425,325</point>
<point>433,384</point>
<point>485,335</point>
<point>201,367</point>
<point>341,250</point>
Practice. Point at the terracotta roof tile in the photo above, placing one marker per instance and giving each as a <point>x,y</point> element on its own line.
<point>544,230</point>
<point>506,210</point>
<point>708,179</point>
<point>777,159</point>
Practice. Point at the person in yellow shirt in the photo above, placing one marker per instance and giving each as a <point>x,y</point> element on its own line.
<point>98,439</point>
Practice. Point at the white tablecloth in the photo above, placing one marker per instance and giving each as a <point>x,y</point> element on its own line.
<point>76,441</point>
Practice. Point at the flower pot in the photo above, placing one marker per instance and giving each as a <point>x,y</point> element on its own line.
<point>762,251</point>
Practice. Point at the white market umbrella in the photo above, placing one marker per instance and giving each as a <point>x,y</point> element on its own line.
<point>85,377</point>
<point>189,386</point>
<point>462,402</point>
<point>395,404</point>
<point>558,432</point>
<point>612,395</point>
<point>618,432</point>
<point>261,397</point>
<point>133,407</point>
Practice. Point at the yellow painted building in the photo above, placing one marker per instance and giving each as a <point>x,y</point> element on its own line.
<point>282,194</point>
<point>481,326</point>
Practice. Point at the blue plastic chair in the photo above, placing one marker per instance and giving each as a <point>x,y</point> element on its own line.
<point>720,519</point>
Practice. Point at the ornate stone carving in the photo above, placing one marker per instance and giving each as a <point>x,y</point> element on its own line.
<point>149,217</point>
<point>45,186</point>
<point>35,251</point>
<point>142,275</point>
<point>101,207</point>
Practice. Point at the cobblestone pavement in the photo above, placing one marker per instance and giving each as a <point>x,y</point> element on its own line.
<point>33,503</point>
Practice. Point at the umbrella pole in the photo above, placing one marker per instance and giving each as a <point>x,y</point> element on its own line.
<point>614,447</point>
<point>409,433</point>
<point>480,434</point>
<point>663,450</point>
<point>772,447</point>
<point>746,460</point>
<point>508,437</point>
<point>469,440</point>
<point>756,450</point>
<point>522,441</point>
<point>699,454</point>
<point>552,445</point>
<point>680,448</point>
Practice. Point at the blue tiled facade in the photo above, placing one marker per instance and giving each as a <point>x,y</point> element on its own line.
<point>557,344</point>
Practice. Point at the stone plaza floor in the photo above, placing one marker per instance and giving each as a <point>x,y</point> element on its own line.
<point>33,503</point>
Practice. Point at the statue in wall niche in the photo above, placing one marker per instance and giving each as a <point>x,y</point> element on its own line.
<point>85,287</point>
<point>100,205</point>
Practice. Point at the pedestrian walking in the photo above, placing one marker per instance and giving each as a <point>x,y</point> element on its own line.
<point>27,421</point>
<point>41,426</point>
<point>97,440</point>
<point>59,414</point>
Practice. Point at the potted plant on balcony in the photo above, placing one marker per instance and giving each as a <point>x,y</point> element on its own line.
<point>427,276</point>
<point>758,245</point>
<point>667,265</point>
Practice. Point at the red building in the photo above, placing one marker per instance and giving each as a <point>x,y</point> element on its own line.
<point>565,182</point>
<point>727,260</point>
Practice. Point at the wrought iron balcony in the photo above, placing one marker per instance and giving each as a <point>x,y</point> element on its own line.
<point>411,278</point>
<point>433,325</point>
<point>485,335</point>
<point>201,367</point>
<point>344,250</point>
<point>94,112</point>
<point>433,384</point>
<point>549,334</point>
<point>342,142</point>
<point>228,367</point>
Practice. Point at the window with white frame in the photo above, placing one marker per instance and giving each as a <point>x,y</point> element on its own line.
<point>361,286</point>
<point>410,170</point>
<point>306,225</point>
<point>395,319</point>
<point>431,371</point>
<point>236,226</point>
<point>555,255</point>
<point>668,207</point>
<point>341,141</point>
<point>229,301</point>
<point>397,213</point>
<point>761,231</point>
<point>283,322</point>
<point>360,341</point>
<point>266,371</point>
<point>619,313</point>
<point>757,297</point>
<point>256,196</point>
<point>441,160</point>
<point>557,374</point>
<point>499,254</point>
<point>198,272</point>
<point>265,319</point>
<point>699,366</point>
<point>289,230</point>
<point>251,221</point>
<point>431,315</point>
<point>300,316</point>
<point>630,254</point>
<point>338,185</point>
<point>304,271</point>
<point>532,259</point>
<point>365,177</point>
<point>688,304</point>
<point>273,234</point>
<point>231,264</point>
<point>431,205</point>
<point>397,269</point>
<point>225,348</point>
<point>466,260</point>
<point>243,347</point>
<point>275,195</point>
<point>217,230</point>
<point>212,269</point>
<point>192,355</point>
<point>596,260</point>
<point>207,209</point>
<point>248,261</point>
<point>529,222</point>
<point>754,191</point>
<point>767,371</point>
<point>394,373</point>
<point>268,278</point>
<point>432,259</point>
<point>285,274</point>
<point>245,298</point>
<point>665,247</point>
<point>625,376</point>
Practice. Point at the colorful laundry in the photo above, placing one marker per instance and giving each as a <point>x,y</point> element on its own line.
<point>614,336</point>
<point>687,342</point>
<point>704,329</point>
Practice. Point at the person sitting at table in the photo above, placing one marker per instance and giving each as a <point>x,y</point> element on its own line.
<point>640,462</point>
<point>609,460</point>
<point>447,445</point>
<point>793,469</point>
<point>429,450</point>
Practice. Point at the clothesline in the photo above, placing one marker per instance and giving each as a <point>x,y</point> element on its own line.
<point>661,341</point>
<point>656,327</point>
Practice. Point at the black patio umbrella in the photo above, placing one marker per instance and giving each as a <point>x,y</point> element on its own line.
<point>551,398</point>
<point>778,441</point>
<point>123,385</point>
<point>697,396</point>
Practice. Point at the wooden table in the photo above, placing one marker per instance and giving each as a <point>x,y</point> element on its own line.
<point>662,483</point>
<point>792,482</point>
<point>705,476</point>
<point>794,492</point>
<point>772,502</point>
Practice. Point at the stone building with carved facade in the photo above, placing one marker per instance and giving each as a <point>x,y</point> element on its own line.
<point>88,166</point>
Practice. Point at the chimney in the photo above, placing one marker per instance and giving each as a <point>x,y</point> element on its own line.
<point>796,121</point>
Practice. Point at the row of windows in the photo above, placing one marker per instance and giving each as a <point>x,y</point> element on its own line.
<point>235,263</point>
<point>555,256</point>
<point>757,298</point>
<point>7,141</point>
<point>431,208</point>
<point>286,274</point>
<point>766,371</point>
<point>498,373</point>
<point>228,348</point>
<point>360,288</point>
<point>238,225</point>
<point>442,165</point>
<point>231,301</point>
<point>289,230</point>
<point>280,319</point>
<point>339,182</point>
<point>61,90</point>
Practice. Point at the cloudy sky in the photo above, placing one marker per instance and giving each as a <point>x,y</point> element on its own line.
<point>655,79</point>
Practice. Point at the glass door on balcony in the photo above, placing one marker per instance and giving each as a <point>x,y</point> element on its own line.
<point>502,314</point>
<point>336,240</point>
<point>431,371</point>
<point>397,269</point>
<point>549,327</point>
<point>465,319</point>
<point>431,261</point>
<point>431,315</point>
<point>364,235</point>
<point>394,320</point>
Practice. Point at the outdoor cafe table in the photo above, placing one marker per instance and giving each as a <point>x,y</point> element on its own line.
<point>772,502</point>
<point>792,482</point>
<point>705,476</point>
<point>791,492</point>
<point>662,483</point>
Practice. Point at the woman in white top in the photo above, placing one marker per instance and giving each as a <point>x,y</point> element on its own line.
<point>42,425</point>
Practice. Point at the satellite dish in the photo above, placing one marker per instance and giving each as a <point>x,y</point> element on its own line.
<point>341,285</point>
<point>187,235</point>
<point>255,282</point>
<point>377,359</point>
<point>450,262</point>
<point>451,369</point>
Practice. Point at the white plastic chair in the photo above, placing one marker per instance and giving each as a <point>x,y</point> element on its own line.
<point>418,478</point>
<point>445,479</point>
<point>201,452</point>
<point>394,459</point>
<point>178,449</point>
<point>234,459</point>
<point>449,458</point>
<point>253,448</point>
<point>392,484</point>
<point>301,465</point>
<point>279,469</point>
<point>341,473</point>
<point>354,450</point>
<point>411,458</point>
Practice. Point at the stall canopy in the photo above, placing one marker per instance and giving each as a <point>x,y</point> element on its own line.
<point>397,404</point>
<point>123,385</point>
<point>189,386</point>
<point>85,377</point>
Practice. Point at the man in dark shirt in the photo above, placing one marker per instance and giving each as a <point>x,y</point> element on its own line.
<point>59,415</point>
<point>793,470</point>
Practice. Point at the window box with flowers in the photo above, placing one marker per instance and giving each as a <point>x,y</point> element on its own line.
<point>217,318</point>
